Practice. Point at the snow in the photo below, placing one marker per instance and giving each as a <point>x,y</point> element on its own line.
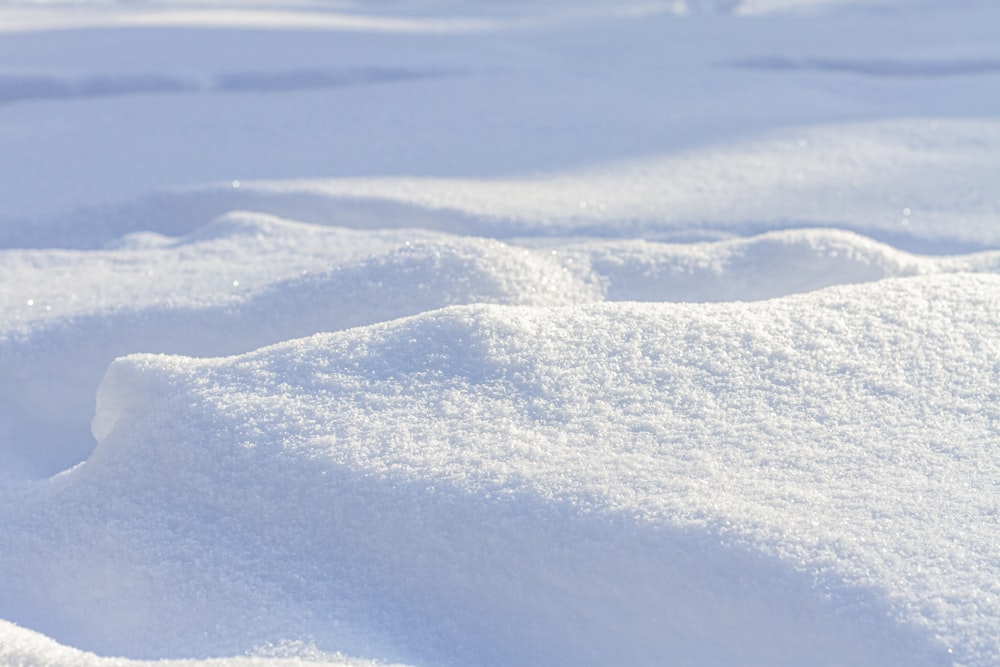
<point>29,649</point>
<point>454,333</point>
<point>669,473</point>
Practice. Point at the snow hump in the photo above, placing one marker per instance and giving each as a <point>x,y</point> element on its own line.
<point>716,483</point>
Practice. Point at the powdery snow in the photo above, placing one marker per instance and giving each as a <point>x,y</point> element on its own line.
<point>247,280</point>
<point>451,333</point>
<point>29,649</point>
<point>785,482</point>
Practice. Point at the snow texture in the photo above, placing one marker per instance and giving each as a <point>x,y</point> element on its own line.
<point>474,333</point>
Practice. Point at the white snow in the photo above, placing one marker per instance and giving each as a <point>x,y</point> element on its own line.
<point>29,649</point>
<point>479,333</point>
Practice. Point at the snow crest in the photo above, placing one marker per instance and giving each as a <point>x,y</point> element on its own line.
<point>249,280</point>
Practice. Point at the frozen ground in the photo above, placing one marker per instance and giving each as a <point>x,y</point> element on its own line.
<point>473,333</point>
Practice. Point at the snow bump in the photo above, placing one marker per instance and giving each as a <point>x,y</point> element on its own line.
<point>516,484</point>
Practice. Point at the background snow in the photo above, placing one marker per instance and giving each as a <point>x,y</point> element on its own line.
<point>545,471</point>
<point>674,125</point>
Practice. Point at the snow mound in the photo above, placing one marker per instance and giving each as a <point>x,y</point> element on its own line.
<point>798,481</point>
<point>25,648</point>
<point>248,280</point>
<point>744,269</point>
<point>242,282</point>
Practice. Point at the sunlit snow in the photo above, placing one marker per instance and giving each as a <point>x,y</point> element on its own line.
<point>480,333</point>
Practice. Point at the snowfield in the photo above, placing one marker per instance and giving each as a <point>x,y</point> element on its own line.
<point>458,333</point>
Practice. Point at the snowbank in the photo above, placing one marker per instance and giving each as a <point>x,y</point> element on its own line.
<point>29,649</point>
<point>248,280</point>
<point>802,480</point>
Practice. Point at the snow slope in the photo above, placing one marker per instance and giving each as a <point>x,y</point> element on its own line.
<point>454,333</point>
<point>775,483</point>
<point>702,124</point>
<point>247,280</point>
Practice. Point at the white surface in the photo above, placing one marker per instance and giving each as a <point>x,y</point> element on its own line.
<point>469,441</point>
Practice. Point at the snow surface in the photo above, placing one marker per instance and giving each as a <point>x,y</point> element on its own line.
<point>479,333</point>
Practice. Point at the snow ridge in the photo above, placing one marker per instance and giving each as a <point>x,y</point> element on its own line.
<point>249,280</point>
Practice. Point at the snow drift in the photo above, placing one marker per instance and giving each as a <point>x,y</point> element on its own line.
<point>769,483</point>
<point>453,333</point>
<point>247,280</point>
